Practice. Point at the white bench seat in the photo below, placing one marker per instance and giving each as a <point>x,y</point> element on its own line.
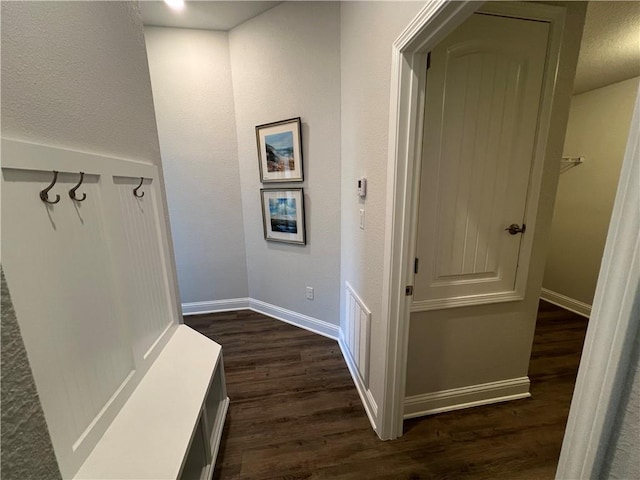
<point>166,416</point>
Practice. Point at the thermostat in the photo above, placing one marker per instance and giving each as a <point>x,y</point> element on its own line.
<point>362,187</point>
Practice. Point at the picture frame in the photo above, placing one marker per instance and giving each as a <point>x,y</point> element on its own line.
<point>283,218</point>
<point>280,151</point>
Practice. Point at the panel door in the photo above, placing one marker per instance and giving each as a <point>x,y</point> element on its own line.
<point>482,99</point>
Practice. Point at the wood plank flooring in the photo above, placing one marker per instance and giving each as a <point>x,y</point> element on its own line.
<point>295,413</point>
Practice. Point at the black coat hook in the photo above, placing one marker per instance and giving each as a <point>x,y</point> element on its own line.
<point>44,194</point>
<point>72,192</point>
<point>135,190</point>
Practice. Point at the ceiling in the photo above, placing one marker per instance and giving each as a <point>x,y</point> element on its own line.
<point>610,50</point>
<point>202,15</point>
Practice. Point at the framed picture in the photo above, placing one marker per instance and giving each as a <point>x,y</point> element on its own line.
<point>280,151</point>
<point>283,215</point>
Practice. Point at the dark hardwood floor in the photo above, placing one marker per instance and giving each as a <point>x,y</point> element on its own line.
<point>295,413</point>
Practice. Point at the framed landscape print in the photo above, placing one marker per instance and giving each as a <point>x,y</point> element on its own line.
<point>280,151</point>
<point>283,215</point>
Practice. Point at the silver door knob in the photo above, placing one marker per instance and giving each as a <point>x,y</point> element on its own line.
<point>514,228</point>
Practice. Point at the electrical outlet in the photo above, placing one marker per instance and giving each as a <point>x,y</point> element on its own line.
<point>309,293</point>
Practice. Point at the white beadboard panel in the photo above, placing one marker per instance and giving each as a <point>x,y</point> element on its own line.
<point>146,288</point>
<point>482,101</point>
<point>66,301</point>
<point>358,327</point>
<point>368,401</point>
<point>78,273</point>
<point>465,397</point>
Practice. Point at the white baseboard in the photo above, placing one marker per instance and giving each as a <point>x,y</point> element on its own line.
<point>369,403</point>
<point>214,306</point>
<point>567,303</point>
<point>314,325</point>
<point>465,397</point>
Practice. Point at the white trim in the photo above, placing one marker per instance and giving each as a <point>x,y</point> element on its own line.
<point>216,436</point>
<point>311,324</point>
<point>369,403</point>
<point>306,322</point>
<point>611,335</point>
<point>466,301</point>
<point>23,155</point>
<point>214,306</point>
<point>432,24</point>
<point>465,397</point>
<point>568,303</point>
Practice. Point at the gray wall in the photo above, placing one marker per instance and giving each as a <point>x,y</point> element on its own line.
<point>74,75</point>
<point>368,30</point>
<point>193,94</point>
<point>26,450</point>
<point>286,63</point>
<point>598,128</point>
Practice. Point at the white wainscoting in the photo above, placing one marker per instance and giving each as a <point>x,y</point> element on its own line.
<point>311,324</point>
<point>465,397</point>
<point>568,303</point>
<point>369,403</point>
<point>356,334</point>
<point>354,341</point>
<point>91,284</point>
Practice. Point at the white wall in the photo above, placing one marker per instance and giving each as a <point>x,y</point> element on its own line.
<point>598,128</point>
<point>286,63</point>
<point>74,75</point>
<point>191,80</point>
<point>80,81</point>
<point>367,32</point>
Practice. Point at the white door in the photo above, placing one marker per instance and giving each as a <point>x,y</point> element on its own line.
<point>482,98</point>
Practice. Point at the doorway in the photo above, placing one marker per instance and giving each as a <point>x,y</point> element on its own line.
<point>472,311</point>
<point>509,318</point>
<point>604,91</point>
<point>425,32</point>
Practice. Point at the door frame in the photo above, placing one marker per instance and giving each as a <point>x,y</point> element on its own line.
<point>428,28</point>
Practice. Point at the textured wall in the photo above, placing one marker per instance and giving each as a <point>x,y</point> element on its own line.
<point>286,63</point>
<point>622,461</point>
<point>598,128</point>
<point>69,69</point>
<point>368,30</point>
<point>191,81</point>
<point>25,444</point>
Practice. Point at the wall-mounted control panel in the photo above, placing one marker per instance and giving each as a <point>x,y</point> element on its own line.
<point>362,187</point>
